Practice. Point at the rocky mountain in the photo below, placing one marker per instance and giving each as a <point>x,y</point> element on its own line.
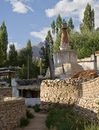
<point>36,48</point>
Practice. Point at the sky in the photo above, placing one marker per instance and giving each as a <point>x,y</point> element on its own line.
<point>31,19</point>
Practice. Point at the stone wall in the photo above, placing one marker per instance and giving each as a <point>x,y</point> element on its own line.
<point>6,92</point>
<point>11,111</point>
<point>59,91</point>
<point>90,96</point>
<point>82,93</point>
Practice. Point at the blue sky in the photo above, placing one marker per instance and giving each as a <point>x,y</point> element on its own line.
<point>31,19</point>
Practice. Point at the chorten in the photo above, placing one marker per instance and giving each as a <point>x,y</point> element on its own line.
<point>65,59</point>
<point>64,38</point>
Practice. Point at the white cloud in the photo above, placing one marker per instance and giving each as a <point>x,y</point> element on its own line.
<point>17,46</point>
<point>74,8</point>
<point>19,7</point>
<point>42,34</point>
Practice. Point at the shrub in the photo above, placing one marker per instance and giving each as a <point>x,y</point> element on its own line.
<point>24,121</point>
<point>68,119</point>
<point>29,114</point>
<point>36,108</point>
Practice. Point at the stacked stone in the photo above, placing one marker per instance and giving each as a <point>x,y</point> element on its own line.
<point>11,111</point>
<point>6,92</point>
<point>89,99</point>
<point>59,91</point>
<point>82,92</point>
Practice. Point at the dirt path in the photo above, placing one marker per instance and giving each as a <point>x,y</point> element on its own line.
<point>37,123</point>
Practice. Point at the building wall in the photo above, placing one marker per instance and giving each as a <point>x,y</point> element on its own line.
<point>91,62</point>
<point>32,101</point>
<point>6,92</point>
<point>87,65</point>
<point>11,111</point>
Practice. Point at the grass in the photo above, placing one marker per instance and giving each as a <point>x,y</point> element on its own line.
<point>36,108</point>
<point>29,114</point>
<point>24,121</point>
<point>67,119</point>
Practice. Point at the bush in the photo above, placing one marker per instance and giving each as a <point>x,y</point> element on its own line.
<point>36,108</point>
<point>29,114</point>
<point>67,119</point>
<point>24,121</point>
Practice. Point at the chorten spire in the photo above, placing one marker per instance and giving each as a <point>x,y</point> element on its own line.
<point>64,38</point>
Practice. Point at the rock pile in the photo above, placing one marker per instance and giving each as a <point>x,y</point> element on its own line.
<point>89,74</point>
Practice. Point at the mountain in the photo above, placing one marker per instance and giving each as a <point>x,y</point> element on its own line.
<point>36,48</point>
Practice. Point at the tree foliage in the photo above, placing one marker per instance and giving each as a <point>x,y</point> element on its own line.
<point>12,56</point>
<point>3,43</point>
<point>88,20</point>
<point>44,56</point>
<point>53,27</point>
<point>70,26</point>
<point>25,59</point>
<point>84,43</point>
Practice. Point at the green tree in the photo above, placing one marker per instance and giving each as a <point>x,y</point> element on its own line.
<point>58,24</point>
<point>70,26</point>
<point>3,43</point>
<point>50,41</point>
<point>88,20</point>
<point>23,72</point>
<point>29,50</point>
<point>53,27</point>
<point>84,43</point>
<point>45,62</point>
<point>12,56</point>
<point>57,42</point>
<point>22,57</point>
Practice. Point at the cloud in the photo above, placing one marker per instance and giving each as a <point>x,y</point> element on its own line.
<point>19,7</point>
<point>17,46</point>
<point>74,8</point>
<point>42,34</point>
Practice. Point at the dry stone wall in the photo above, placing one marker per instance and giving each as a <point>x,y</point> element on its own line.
<point>11,111</point>
<point>6,92</point>
<point>84,93</point>
<point>90,96</point>
<point>59,91</point>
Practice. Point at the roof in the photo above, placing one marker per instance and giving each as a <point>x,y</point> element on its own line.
<point>35,88</point>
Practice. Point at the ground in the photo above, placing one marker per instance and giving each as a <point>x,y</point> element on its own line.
<point>37,123</point>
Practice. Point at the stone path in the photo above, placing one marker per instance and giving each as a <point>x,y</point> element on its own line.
<point>37,123</point>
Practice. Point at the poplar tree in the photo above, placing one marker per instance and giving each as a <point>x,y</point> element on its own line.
<point>3,43</point>
<point>29,50</point>
<point>12,56</point>
<point>88,20</point>
<point>53,27</point>
<point>58,24</point>
<point>70,26</point>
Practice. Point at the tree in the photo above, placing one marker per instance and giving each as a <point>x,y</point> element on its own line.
<point>29,50</point>
<point>22,57</point>
<point>84,43</point>
<point>58,24</point>
<point>3,43</point>
<point>53,27</point>
<point>50,41</point>
<point>88,20</point>
<point>44,56</point>
<point>12,56</point>
<point>23,72</point>
<point>57,42</point>
<point>70,26</point>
